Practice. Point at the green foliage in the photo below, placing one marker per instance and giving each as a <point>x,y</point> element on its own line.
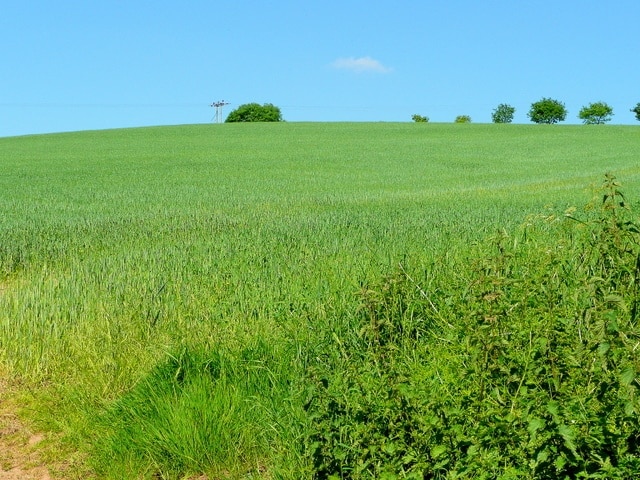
<point>595,113</point>
<point>636,110</point>
<point>503,113</point>
<point>547,111</point>
<point>419,118</point>
<point>254,112</point>
<point>463,119</point>
<point>524,366</point>
<point>199,410</point>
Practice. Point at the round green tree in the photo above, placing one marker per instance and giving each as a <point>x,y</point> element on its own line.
<point>547,111</point>
<point>254,112</point>
<point>503,113</point>
<point>595,113</point>
<point>636,110</point>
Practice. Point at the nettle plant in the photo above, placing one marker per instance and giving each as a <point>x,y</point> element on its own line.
<point>523,365</point>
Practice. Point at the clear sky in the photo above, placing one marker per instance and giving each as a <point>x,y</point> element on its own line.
<point>94,64</point>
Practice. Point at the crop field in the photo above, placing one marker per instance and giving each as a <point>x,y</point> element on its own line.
<point>325,300</point>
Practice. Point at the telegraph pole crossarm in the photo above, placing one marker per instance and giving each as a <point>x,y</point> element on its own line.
<point>218,106</point>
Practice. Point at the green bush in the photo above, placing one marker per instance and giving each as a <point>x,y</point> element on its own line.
<point>463,119</point>
<point>419,118</point>
<point>595,113</point>
<point>636,111</point>
<point>503,113</point>
<point>254,112</point>
<point>523,366</point>
<point>547,110</point>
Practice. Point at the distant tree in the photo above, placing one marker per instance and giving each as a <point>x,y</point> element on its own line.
<point>548,111</point>
<point>463,119</point>
<point>595,113</point>
<point>636,110</point>
<point>254,112</point>
<point>503,113</point>
<point>419,118</point>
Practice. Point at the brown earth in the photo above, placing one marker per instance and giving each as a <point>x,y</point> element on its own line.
<point>20,456</point>
<point>19,445</point>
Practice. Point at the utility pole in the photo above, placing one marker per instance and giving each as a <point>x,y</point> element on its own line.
<point>218,106</point>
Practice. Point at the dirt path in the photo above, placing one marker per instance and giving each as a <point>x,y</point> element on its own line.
<point>20,455</point>
<point>20,458</point>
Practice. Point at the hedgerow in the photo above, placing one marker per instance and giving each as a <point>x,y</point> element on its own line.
<point>522,364</point>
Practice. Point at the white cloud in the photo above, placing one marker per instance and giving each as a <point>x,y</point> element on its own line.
<point>359,65</point>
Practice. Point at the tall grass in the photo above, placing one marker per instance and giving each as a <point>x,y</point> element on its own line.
<point>133,260</point>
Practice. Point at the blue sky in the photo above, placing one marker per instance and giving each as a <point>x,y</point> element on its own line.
<point>93,64</point>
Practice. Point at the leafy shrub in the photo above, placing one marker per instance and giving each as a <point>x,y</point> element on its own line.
<point>463,119</point>
<point>254,112</point>
<point>503,113</point>
<point>595,113</point>
<point>419,118</point>
<point>547,111</point>
<point>523,366</point>
<point>636,110</point>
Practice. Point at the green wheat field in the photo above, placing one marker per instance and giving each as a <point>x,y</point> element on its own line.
<point>325,300</point>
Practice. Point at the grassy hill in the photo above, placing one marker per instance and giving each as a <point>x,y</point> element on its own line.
<point>173,296</point>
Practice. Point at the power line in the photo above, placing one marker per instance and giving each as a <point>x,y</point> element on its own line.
<point>98,105</point>
<point>218,106</point>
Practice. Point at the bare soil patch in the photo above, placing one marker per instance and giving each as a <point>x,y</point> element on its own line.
<point>20,452</point>
<point>19,445</point>
<point>29,454</point>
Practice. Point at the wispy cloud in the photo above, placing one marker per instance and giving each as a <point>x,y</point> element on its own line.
<point>359,65</point>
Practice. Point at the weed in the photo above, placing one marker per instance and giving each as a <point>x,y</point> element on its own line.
<point>538,378</point>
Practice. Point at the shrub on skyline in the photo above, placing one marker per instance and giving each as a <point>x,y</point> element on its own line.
<point>254,112</point>
<point>547,111</point>
<point>503,113</point>
<point>419,118</point>
<point>463,119</point>
<point>595,113</point>
<point>636,110</point>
